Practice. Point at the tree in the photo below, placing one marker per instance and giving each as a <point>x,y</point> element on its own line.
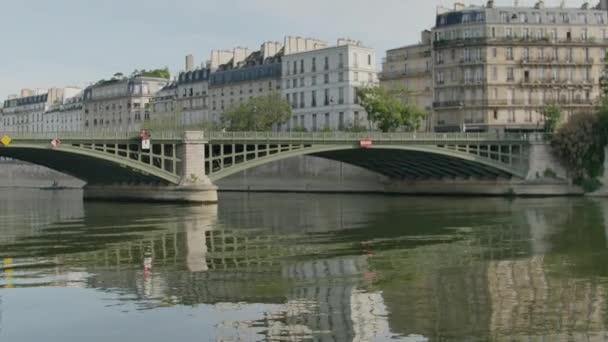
<point>258,114</point>
<point>552,116</point>
<point>159,73</point>
<point>578,144</point>
<point>386,110</point>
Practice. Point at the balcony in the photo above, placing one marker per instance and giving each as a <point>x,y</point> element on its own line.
<point>389,75</point>
<point>444,105</point>
<point>519,41</point>
<point>557,82</point>
<point>550,61</point>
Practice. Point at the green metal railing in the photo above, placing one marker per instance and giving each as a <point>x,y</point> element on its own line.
<point>308,137</point>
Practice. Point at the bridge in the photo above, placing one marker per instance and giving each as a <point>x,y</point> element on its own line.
<point>185,165</point>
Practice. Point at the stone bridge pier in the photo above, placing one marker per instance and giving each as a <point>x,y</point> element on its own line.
<point>193,187</point>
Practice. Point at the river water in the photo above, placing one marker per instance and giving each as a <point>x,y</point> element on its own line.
<point>300,267</point>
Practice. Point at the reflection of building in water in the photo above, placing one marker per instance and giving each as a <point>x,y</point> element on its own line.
<point>336,310</point>
<point>318,299</point>
<point>525,301</point>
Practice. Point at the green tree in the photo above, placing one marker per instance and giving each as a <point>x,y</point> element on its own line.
<point>386,109</point>
<point>159,73</point>
<point>552,115</point>
<point>578,144</point>
<point>258,114</point>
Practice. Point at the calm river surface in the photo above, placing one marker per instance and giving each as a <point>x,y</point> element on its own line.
<point>288,267</point>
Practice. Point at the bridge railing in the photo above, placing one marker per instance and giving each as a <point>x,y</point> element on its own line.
<point>308,137</point>
<point>376,136</point>
<point>93,136</point>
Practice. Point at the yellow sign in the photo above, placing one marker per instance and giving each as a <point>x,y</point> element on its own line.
<point>5,140</point>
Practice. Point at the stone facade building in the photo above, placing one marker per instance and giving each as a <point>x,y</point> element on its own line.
<point>496,68</point>
<point>240,74</point>
<point>321,88</point>
<point>66,116</point>
<point>320,82</point>
<point>25,113</point>
<point>120,104</point>
<point>409,69</point>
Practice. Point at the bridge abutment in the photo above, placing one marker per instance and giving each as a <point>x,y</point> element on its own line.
<point>194,186</point>
<point>151,193</point>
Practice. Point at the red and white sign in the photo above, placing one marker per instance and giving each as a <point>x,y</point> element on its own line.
<point>145,139</point>
<point>366,143</point>
<point>55,142</point>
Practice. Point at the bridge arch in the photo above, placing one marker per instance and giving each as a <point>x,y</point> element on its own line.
<point>394,161</point>
<point>90,165</point>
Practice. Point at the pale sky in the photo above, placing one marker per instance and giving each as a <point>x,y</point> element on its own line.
<point>47,43</point>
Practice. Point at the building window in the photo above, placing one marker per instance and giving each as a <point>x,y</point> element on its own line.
<point>314,122</point>
<point>314,64</point>
<point>504,17</point>
<point>509,54</point>
<point>327,126</point>
<point>326,64</point>
<point>302,100</point>
<point>314,80</point>
<point>326,78</point>
<point>555,55</point>
<point>326,97</point>
<point>314,99</point>
<point>510,75</point>
<point>356,119</point>
<point>511,115</point>
<point>341,96</point>
<point>341,121</point>
<point>302,66</point>
<point>341,76</point>
<point>356,76</point>
<point>369,59</point>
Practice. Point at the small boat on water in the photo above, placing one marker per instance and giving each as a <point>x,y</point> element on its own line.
<point>54,186</point>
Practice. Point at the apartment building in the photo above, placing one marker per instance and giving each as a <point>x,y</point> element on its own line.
<point>65,116</point>
<point>192,96</point>
<point>240,74</point>
<point>164,105</point>
<point>119,104</point>
<point>320,82</point>
<point>25,113</point>
<point>496,68</point>
<point>409,69</point>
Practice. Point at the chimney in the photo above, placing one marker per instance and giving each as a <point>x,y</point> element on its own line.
<point>26,93</point>
<point>539,5</point>
<point>490,4</point>
<point>189,63</point>
<point>458,6</point>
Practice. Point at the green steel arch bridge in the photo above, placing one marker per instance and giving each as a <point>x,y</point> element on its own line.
<point>183,162</point>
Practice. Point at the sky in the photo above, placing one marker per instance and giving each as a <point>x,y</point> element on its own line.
<point>77,42</point>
